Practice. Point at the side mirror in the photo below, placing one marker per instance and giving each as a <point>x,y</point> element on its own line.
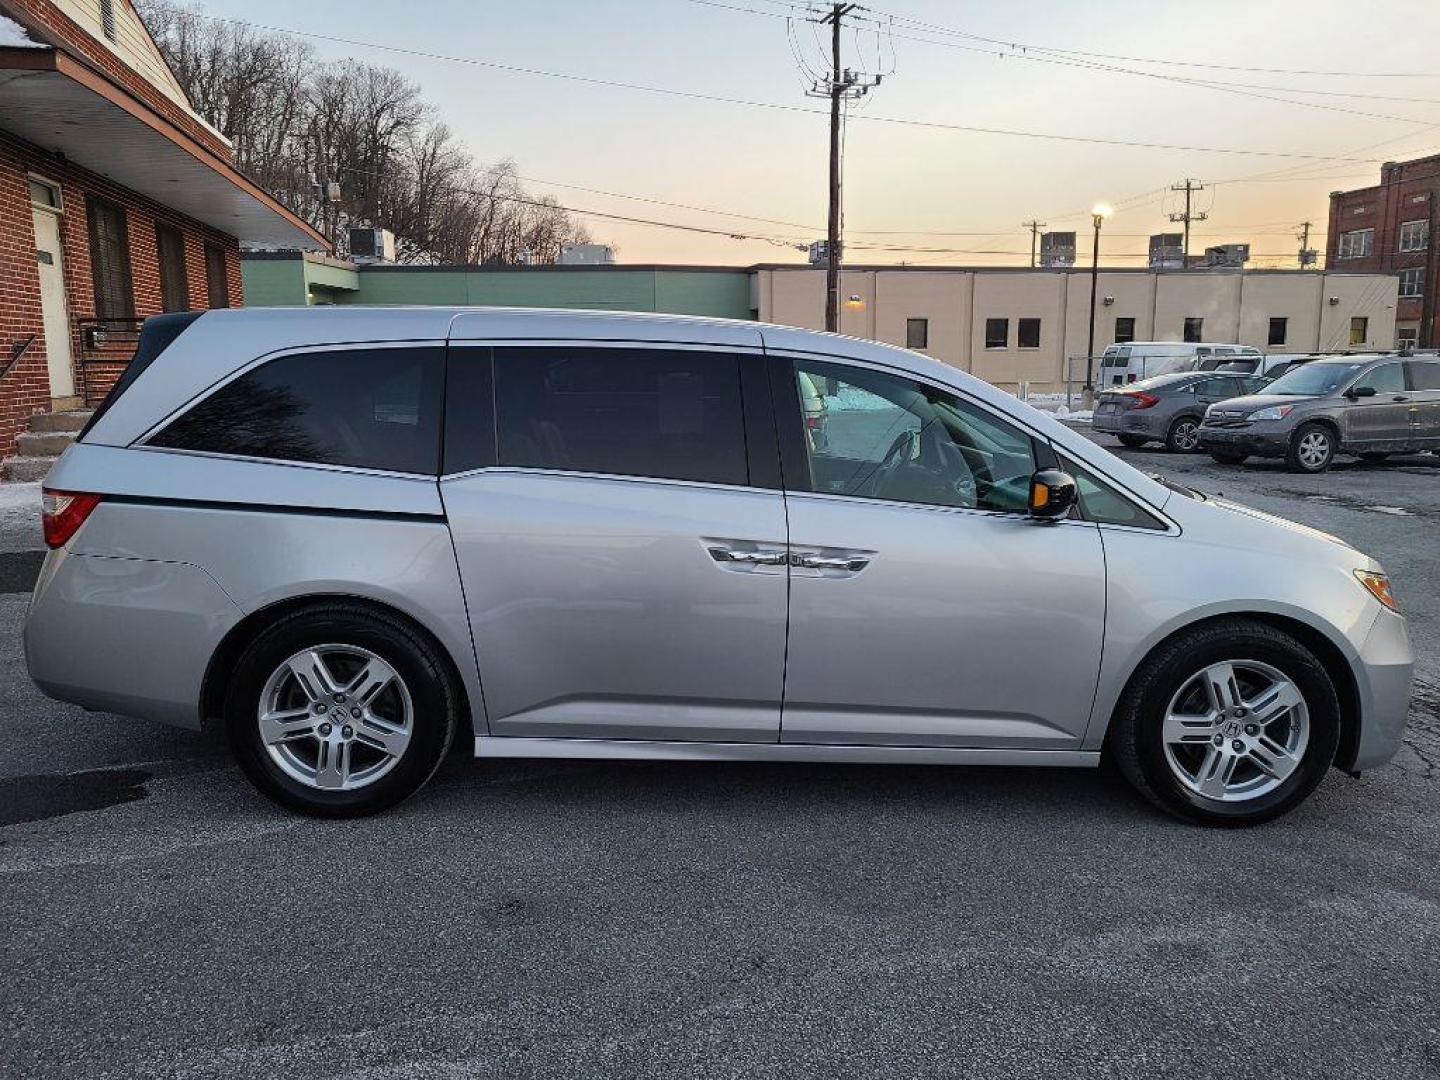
<point>1359,392</point>
<point>1052,495</point>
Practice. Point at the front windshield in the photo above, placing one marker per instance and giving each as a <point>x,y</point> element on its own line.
<point>1313,379</point>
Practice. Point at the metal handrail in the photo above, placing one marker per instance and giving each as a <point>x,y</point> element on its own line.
<point>109,342</point>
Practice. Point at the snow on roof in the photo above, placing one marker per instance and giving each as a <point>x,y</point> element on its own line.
<point>12,36</point>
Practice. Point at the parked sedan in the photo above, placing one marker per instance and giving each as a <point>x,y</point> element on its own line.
<point>1373,406</point>
<point>1167,408</point>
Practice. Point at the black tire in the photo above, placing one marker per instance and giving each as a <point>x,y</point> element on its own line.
<point>433,696</point>
<point>1135,739</point>
<point>1134,442</point>
<point>1227,457</point>
<point>1375,457</point>
<point>1298,457</point>
<point>1183,437</point>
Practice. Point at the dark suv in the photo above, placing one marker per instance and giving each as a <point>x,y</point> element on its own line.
<point>1373,406</point>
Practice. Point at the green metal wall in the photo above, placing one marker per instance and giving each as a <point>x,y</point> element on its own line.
<point>722,293</point>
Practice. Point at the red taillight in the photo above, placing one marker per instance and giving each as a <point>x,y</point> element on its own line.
<point>1141,400</point>
<point>63,512</point>
<point>813,421</point>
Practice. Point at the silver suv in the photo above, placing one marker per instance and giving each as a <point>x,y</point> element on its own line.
<point>1373,406</point>
<point>352,535</point>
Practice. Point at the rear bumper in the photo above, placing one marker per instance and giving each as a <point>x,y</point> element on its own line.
<point>1386,670</point>
<point>130,636</point>
<point>1130,422</point>
<point>1245,441</point>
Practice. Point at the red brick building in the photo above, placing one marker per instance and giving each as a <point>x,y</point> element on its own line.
<point>1390,229</point>
<point>117,201</point>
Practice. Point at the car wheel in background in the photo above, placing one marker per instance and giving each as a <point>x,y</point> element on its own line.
<point>1132,441</point>
<point>338,711</point>
<point>1230,723</point>
<point>1183,436</point>
<point>1375,457</point>
<point>1228,457</point>
<point>1311,449</point>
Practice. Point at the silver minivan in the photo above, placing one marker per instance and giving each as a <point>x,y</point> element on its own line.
<point>352,535</point>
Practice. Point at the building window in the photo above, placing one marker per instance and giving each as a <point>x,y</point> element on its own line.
<point>107,18</point>
<point>44,194</point>
<point>1194,328</point>
<point>110,260</point>
<point>217,277</point>
<point>1279,327</point>
<point>917,333</point>
<point>1359,330</point>
<point>1412,282</point>
<point>1357,243</point>
<point>997,333</point>
<point>1028,334</point>
<point>170,250</point>
<point>1407,337</point>
<point>1124,330</point>
<point>1414,235</point>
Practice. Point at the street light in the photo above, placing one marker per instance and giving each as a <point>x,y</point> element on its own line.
<point>1098,216</point>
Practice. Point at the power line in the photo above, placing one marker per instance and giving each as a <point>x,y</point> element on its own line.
<point>694,95</point>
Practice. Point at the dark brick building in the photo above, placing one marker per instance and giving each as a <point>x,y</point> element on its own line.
<point>117,201</point>
<point>1390,229</point>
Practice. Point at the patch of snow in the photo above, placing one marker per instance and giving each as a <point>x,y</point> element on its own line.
<point>1395,510</point>
<point>20,497</point>
<point>1073,416</point>
<point>12,36</point>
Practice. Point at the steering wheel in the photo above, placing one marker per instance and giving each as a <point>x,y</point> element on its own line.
<point>900,452</point>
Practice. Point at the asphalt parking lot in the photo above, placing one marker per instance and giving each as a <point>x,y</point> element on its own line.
<point>649,920</point>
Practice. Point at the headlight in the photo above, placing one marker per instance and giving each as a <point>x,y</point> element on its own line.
<point>1274,412</point>
<point>1378,586</point>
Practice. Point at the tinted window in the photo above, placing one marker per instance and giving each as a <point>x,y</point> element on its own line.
<point>630,412</point>
<point>1279,329</point>
<point>1386,379</point>
<point>371,408</point>
<point>1424,376</point>
<point>1194,329</point>
<point>1218,388</point>
<point>1101,503</point>
<point>885,437</point>
<point>469,409</point>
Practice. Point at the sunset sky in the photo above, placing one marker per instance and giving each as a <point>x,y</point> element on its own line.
<point>914,187</point>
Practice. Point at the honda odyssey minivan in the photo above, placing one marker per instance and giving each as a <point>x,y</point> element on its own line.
<point>353,535</point>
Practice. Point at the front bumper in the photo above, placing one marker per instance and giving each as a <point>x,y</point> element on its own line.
<point>1385,673</point>
<point>1254,441</point>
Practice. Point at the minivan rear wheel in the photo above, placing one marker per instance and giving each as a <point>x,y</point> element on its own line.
<point>339,711</point>
<point>1230,723</point>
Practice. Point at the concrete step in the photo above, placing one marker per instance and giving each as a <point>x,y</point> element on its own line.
<point>65,404</point>
<point>22,469</point>
<point>72,420</point>
<point>43,444</point>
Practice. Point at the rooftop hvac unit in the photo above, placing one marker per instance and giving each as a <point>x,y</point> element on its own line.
<point>372,246</point>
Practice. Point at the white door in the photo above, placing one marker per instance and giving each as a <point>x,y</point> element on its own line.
<point>52,303</point>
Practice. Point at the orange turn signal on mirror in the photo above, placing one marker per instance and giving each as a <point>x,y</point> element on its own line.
<point>1378,585</point>
<point>1039,495</point>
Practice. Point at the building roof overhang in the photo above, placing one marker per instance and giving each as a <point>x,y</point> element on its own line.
<point>60,105</point>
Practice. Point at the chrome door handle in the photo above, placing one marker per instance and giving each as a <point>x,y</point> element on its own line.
<point>822,562</point>
<point>749,558</point>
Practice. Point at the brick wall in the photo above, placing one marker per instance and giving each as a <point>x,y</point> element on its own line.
<point>26,388</point>
<point>1408,191</point>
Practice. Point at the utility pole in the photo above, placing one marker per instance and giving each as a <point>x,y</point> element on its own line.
<point>1034,227</point>
<point>1189,187</point>
<point>1308,255</point>
<point>840,85</point>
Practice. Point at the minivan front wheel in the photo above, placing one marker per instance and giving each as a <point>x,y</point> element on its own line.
<point>1231,723</point>
<point>338,711</point>
<point>1311,449</point>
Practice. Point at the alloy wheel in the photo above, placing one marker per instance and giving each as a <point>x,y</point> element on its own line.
<point>1186,435</point>
<point>1313,449</point>
<point>1236,730</point>
<point>335,717</point>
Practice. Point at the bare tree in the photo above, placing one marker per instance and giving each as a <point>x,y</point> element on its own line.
<point>298,124</point>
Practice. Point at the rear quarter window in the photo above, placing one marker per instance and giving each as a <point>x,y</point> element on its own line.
<point>368,408</point>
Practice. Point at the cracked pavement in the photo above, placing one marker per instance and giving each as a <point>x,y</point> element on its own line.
<point>599,919</point>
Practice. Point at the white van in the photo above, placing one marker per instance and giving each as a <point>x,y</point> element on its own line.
<point>1136,360</point>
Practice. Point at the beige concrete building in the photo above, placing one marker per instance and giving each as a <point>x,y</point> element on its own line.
<point>1020,325</point>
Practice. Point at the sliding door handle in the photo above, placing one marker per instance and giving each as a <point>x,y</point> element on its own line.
<point>748,558</point>
<point>851,563</point>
